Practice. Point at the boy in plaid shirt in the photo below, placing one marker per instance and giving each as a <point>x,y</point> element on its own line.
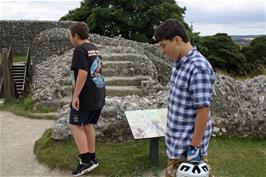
<point>188,120</point>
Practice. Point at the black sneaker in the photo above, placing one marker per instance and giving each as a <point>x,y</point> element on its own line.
<point>95,161</point>
<point>83,168</point>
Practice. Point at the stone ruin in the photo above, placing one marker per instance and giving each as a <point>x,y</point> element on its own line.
<point>137,78</point>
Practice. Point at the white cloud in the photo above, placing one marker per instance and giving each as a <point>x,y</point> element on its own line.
<point>233,29</point>
<point>207,16</point>
<point>36,9</point>
<point>227,16</point>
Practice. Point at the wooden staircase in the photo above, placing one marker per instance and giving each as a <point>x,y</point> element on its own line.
<point>19,74</point>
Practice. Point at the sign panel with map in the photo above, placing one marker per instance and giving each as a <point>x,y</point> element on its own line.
<point>147,123</point>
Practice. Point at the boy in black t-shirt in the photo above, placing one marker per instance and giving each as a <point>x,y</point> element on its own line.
<point>88,97</point>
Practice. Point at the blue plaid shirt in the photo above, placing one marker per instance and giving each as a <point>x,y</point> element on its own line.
<point>191,87</point>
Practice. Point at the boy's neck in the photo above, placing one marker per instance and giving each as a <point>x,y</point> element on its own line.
<point>187,48</point>
<point>80,42</point>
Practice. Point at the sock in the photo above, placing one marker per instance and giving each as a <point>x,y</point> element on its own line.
<point>92,156</point>
<point>85,158</point>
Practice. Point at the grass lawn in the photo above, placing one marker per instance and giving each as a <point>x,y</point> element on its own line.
<point>25,107</point>
<point>19,58</point>
<point>232,157</point>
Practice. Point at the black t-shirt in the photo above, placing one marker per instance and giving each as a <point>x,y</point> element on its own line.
<point>87,57</point>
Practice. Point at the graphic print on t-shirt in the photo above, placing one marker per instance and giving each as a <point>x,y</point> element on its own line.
<point>96,69</point>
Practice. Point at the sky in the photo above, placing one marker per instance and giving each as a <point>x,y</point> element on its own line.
<point>235,17</point>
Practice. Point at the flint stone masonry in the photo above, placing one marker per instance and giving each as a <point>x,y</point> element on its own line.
<point>238,109</point>
<point>50,42</point>
<point>112,125</point>
<point>51,80</point>
<point>20,33</point>
<point>56,42</point>
<point>163,65</point>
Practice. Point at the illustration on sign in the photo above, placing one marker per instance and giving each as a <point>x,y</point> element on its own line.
<point>147,123</point>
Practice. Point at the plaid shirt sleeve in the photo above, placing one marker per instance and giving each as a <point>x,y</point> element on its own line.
<point>200,89</point>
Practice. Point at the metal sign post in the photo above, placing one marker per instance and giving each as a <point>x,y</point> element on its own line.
<point>148,124</point>
<point>154,150</point>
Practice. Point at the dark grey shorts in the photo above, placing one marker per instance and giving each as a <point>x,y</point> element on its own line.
<point>84,117</point>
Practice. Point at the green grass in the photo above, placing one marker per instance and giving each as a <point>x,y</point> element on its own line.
<point>238,157</point>
<point>116,159</point>
<point>19,58</point>
<point>25,107</point>
<point>231,157</point>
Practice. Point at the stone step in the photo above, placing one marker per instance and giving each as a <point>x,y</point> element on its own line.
<point>125,81</point>
<point>65,100</point>
<point>123,91</point>
<point>121,57</point>
<point>108,72</point>
<point>118,65</point>
<point>115,80</point>
<point>55,104</point>
<point>112,90</point>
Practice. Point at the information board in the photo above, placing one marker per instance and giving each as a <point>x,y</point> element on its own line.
<point>147,123</point>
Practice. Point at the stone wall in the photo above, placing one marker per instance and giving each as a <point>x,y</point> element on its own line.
<point>56,42</point>
<point>20,34</point>
<point>238,109</point>
<point>162,64</point>
<point>51,84</point>
<point>49,42</point>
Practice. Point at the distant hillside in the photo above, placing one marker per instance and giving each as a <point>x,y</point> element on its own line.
<point>243,40</point>
<point>241,37</point>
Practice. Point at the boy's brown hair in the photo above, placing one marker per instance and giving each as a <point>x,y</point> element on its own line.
<point>169,29</point>
<point>81,29</point>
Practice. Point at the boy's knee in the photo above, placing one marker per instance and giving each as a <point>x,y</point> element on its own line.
<point>89,126</point>
<point>74,127</point>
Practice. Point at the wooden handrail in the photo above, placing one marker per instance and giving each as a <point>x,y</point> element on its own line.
<point>10,56</point>
<point>9,88</point>
<point>9,79</point>
<point>28,58</point>
<point>10,64</point>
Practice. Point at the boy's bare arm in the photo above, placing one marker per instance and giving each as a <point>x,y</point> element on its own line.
<point>200,125</point>
<point>81,79</point>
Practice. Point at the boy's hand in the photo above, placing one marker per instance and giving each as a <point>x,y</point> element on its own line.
<point>75,103</point>
<point>193,154</point>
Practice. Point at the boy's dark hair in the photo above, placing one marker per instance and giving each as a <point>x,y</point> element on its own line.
<point>169,29</point>
<point>81,29</point>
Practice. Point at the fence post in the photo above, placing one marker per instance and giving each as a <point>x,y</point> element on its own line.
<point>9,92</point>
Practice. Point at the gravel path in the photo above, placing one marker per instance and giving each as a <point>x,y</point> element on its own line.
<point>18,135</point>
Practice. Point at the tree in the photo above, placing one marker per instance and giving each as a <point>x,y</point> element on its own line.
<point>256,51</point>
<point>133,19</point>
<point>223,53</point>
